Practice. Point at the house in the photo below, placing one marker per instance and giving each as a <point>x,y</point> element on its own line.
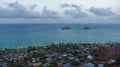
<point>88,65</point>
<point>21,59</point>
<point>100,65</point>
<point>112,60</point>
<point>49,59</point>
<point>3,64</point>
<point>64,55</point>
<point>89,57</point>
<point>33,60</point>
<point>67,65</point>
<point>46,64</point>
<point>77,60</point>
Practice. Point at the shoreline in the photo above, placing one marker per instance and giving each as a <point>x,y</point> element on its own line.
<point>78,43</point>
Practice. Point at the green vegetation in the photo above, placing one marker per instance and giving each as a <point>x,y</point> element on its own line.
<point>60,54</point>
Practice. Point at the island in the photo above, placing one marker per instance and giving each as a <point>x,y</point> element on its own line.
<point>86,28</point>
<point>66,28</point>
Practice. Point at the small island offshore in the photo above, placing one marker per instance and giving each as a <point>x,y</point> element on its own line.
<point>66,28</point>
<point>62,55</point>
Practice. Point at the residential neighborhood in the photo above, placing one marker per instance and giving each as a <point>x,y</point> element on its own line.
<point>62,55</point>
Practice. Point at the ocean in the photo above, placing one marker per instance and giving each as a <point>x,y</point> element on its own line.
<point>21,35</point>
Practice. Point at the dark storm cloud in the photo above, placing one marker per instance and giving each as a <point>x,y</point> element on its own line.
<point>17,10</point>
<point>101,11</point>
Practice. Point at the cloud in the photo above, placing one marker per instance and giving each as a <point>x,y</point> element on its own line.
<point>69,5</point>
<point>75,6</point>
<point>48,13</point>
<point>101,11</point>
<point>17,6</point>
<point>74,13</point>
<point>65,5</point>
<point>31,7</point>
<point>17,10</point>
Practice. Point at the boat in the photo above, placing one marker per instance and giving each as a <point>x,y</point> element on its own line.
<point>66,28</point>
<point>86,28</point>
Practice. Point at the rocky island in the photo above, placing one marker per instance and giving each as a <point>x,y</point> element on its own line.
<point>66,28</point>
<point>86,28</point>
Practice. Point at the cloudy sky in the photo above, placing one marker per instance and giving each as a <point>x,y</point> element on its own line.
<point>59,11</point>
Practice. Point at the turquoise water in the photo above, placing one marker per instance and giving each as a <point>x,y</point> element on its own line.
<point>20,35</point>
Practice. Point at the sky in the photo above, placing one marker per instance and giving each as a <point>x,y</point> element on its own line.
<point>59,11</point>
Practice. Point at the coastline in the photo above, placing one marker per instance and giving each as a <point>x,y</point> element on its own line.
<point>57,43</point>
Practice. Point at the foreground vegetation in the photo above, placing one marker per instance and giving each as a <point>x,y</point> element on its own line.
<point>62,55</point>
